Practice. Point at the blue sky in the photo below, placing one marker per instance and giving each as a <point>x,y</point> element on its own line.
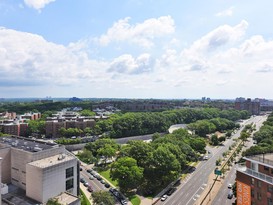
<point>136,48</point>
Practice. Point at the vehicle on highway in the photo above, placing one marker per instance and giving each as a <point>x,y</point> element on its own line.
<point>170,191</point>
<point>164,197</point>
<point>230,194</point>
<point>206,157</point>
<point>229,186</point>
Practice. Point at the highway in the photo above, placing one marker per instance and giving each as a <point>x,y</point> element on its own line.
<point>221,197</point>
<point>192,187</point>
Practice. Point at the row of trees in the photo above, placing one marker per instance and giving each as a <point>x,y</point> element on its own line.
<point>130,124</point>
<point>264,139</point>
<point>148,166</point>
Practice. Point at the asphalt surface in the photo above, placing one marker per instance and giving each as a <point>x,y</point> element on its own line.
<point>221,197</point>
<point>192,187</point>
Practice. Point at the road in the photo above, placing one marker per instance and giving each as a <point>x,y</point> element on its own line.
<point>221,197</point>
<point>192,187</point>
<point>96,185</point>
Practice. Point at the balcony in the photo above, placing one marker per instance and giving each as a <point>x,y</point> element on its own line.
<point>255,174</point>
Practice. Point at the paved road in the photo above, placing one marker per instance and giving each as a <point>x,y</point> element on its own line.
<point>96,185</point>
<point>221,197</point>
<point>193,186</point>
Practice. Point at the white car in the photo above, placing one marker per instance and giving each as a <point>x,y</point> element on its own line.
<point>206,157</point>
<point>229,186</point>
<point>164,197</point>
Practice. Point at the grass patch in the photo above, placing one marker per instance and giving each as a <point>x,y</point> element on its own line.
<point>134,199</point>
<point>84,199</point>
<point>106,175</point>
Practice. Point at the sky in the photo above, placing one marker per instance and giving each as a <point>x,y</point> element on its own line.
<point>136,49</point>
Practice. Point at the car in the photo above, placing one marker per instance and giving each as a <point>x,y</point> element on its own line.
<point>102,181</point>
<point>230,194</point>
<point>107,185</point>
<point>192,169</point>
<point>86,184</point>
<point>206,157</point>
<point>89,170</point>
<point>164,197</point>
<point>98,177</point>
<point>89,188</point>
<point>123,202</point>
<point>80,169</point>
<point>82,180</point>
<point>91,177</point>
<point>170,191</point>
<point>229,186</point>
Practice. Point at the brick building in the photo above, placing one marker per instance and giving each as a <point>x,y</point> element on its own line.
<point>253,107</point>
<point>255,180</point>
<point>67,120</point>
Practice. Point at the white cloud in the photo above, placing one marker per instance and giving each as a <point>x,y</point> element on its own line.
<point>142,34</point>
<point>30,59</point>
<point>37,4</point>
<point>127,64</point>
<point>227,12</point>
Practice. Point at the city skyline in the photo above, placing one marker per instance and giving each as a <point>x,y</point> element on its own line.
<point>136,49</point>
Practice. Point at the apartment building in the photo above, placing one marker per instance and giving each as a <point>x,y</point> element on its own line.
<point>67,120</point>
<point>42,170</point>
<point>253,107</point>
<point>255,180</point>
<point>30,116</point>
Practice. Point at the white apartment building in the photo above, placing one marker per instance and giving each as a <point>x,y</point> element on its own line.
<point>43,170</point>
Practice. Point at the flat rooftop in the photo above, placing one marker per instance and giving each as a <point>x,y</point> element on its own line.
<point>26,144</point>
<point>263,158</point>
<point>54,160</point>
<point>66,198</point>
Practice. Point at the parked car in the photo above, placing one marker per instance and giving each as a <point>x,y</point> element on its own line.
<point>102,181</point>
<point>91,177</point>
<point>82,180</point>
<point>170,191</point>
<point>230,194</point>
<point>107,185</point>
<point>89,188</point>
<point>206,157</point>
<point>164,197</point>
<point>86,184</point>
<point>229,186</point>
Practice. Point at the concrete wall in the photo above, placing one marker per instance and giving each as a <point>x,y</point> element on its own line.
<point>43,184</point>
<point>5,153</point>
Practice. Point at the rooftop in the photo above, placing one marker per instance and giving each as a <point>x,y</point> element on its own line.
<point>262,158</point>
<point>66,198</point>
<point>54,160</point>
<point>27,144</point>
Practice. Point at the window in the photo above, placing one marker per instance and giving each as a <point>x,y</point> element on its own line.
<point>269,188</point>
<point>69,172</point>
<point>259,183</point>
<point>69,184</point>
<point>252,181</point>
<point>259,196</point>
<point>269,201</point>
<point>266,168</point>
<point>252,193</point>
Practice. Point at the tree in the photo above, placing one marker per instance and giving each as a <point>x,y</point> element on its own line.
<point>86,156</point>
<point>214,140</point>
<point>103,197</point>
<point>127,173</point>
<point>86,112</point>
<point>53,202</point>
<point>164,167</point>
<point>107,152</point>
